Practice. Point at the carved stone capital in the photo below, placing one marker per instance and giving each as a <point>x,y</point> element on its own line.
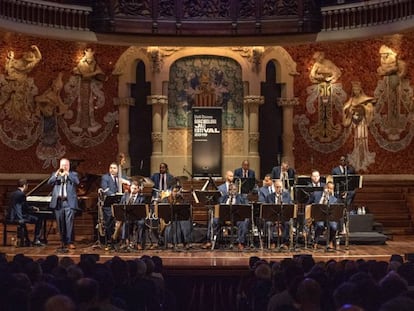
<point>156,137</point>
<point>253,100</point>
<point>288,102</point>
<point>254,137</point>
<point>156,55</point>
<point>157,100</point>
<point>253,55</point>
<point>124,101</point>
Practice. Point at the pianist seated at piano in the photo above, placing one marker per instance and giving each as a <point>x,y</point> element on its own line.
<point>279,196</point>
<point>20,212</point>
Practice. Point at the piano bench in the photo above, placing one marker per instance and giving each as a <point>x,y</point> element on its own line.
<point>13,227</point>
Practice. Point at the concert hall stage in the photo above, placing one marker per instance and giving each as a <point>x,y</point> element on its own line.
<point>221,261</point>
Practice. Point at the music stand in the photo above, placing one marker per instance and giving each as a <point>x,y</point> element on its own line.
<point>209,198</point>
<point>347,184</point>
<point>234,213</point>
<point>302,195</point>
<point>112,199</point>
<point>280,212</point>
<point>247,184</point>
<point>327,213</point>
<point>164,212</point>
<point>179,212</point>
<point>305,180</point>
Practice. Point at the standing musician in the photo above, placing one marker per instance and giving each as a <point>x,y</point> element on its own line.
<point>345,169</point>
<point>280,196</point>
<point>179,231</point>
<point>133,196</point>
<point>111,184</point>
<point>64,201</point>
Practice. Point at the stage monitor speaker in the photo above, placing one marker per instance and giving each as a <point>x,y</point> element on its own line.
<point>409,257</point>
<point>95,257</point>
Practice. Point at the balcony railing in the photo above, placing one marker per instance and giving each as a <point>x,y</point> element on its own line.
<point>44,13</point>
<point>366,14</point>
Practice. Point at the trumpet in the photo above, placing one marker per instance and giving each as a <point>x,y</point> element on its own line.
<point>61,172</point>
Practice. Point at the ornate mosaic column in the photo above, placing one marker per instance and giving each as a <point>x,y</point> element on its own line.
<point>157,102</point>
<point>252,103</point>
<point>288,136</point>
<point>123,104</point>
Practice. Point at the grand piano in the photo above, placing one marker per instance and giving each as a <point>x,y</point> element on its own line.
<point>41,195</point>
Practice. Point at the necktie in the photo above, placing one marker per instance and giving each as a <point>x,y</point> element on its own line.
<point>116,182</point>
<point>63,187</point>
<point>245,174</point>
<point>162,176</point>
<point>270,190</point>
<point>131,199</point>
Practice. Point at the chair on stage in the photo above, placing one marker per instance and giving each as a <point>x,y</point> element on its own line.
<point>328,215</point>
<point>281,215</point>
<point>129,214</point>
<point>229,216</point>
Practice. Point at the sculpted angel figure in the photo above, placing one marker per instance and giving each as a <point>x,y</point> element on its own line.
<point>324,70</point>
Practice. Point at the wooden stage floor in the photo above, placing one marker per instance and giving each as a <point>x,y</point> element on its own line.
<point>197,259</point>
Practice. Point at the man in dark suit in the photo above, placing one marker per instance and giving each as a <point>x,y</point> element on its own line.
<point>134,196</point>
<point>20,212</point>
<point>232,197</point>
<point>163,180</point>
<point>326,197</point>
<point>280,196</point>
<point>285,173</point>
<point>266,189</point>
<point>244,171</point>
<point>344,169</point>
<point>111,184</point>
<point>64,201</point>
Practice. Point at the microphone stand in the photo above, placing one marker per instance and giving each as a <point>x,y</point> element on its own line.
<point>346,212</point>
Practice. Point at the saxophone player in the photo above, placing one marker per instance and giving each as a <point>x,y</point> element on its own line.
<point>133,232</point>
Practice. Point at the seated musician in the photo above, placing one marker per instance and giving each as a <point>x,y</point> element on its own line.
<point>20,212</point>
<point>234,197</point>
<point>133,232</point>
<point>279,196</point>
<point>325,197</point>
<point>179,231</point>
<point>266,188</point>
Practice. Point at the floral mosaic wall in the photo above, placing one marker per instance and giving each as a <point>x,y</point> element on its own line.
<point>205,81</point>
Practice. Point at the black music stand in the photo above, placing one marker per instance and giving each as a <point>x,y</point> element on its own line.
<point>234,213</point>
<point>164,212</point>
<point>302,195</point>
<point>112,199</point>
<point>179,212</point>
<point>281,213</point>
<point>129,213</point>
<point>347,184</point>
<point>209,198</point>
<point>327,213</point>
<point>247,184</point>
